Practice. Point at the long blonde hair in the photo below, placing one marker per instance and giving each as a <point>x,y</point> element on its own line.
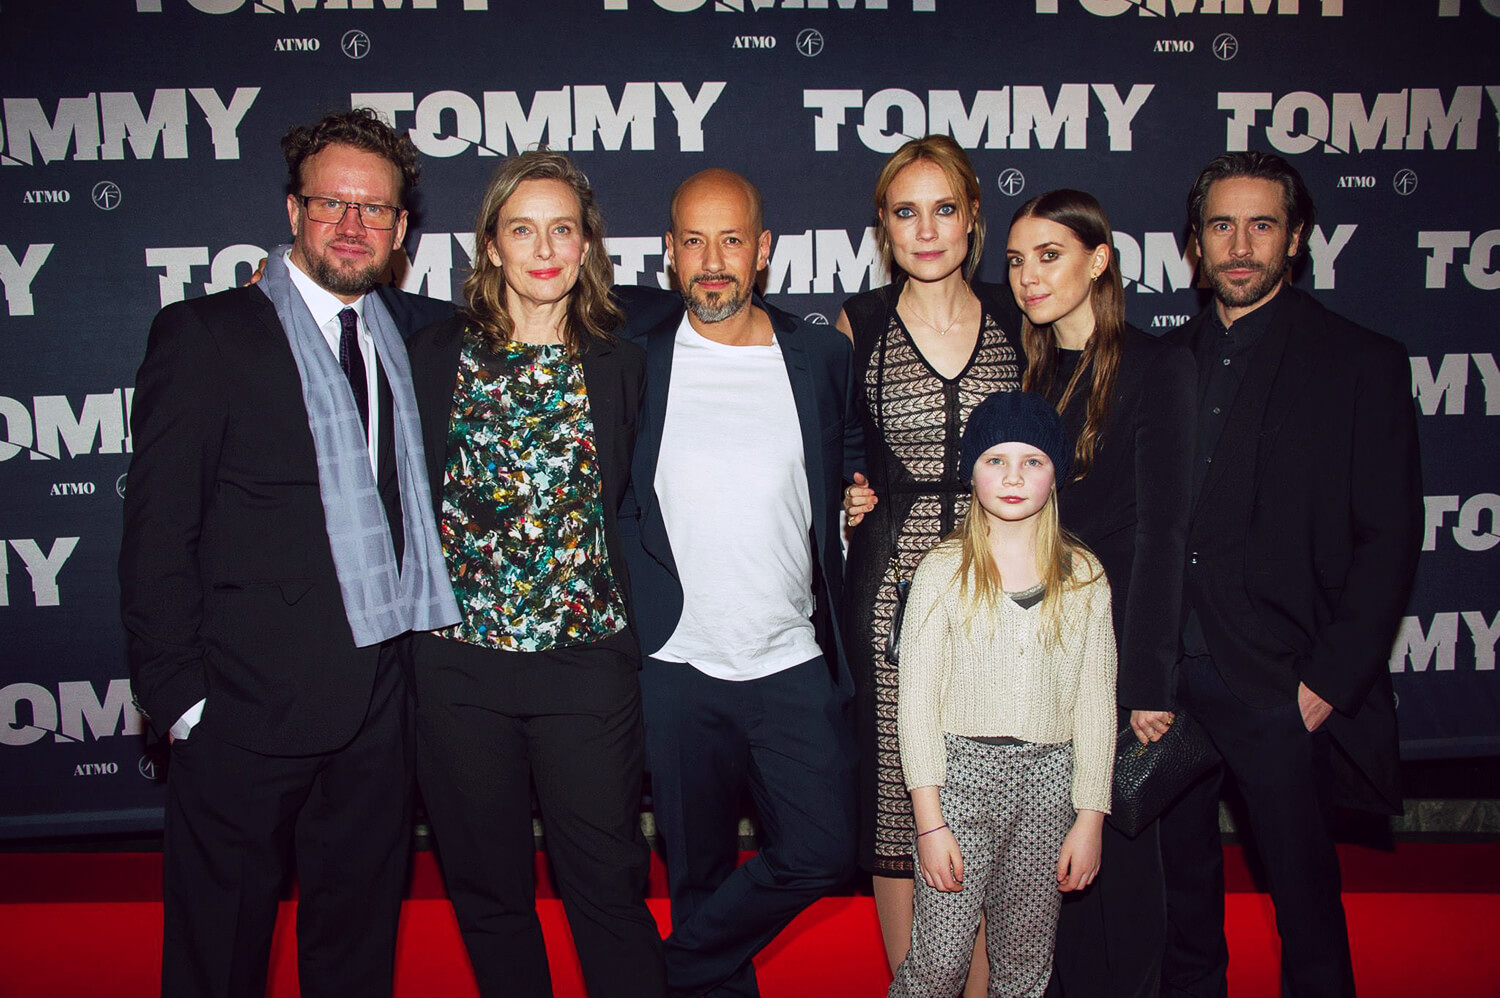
<point>592,314</point>
<point>1063,562</point>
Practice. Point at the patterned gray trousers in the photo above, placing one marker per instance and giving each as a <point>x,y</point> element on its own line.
<point>1009,807</point>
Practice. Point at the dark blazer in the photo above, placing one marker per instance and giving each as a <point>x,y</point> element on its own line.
<point>613,375</point>
<point>819,366</point>
<point>1131,508</point>
<point>227,584</point>
<point>1315,595</point>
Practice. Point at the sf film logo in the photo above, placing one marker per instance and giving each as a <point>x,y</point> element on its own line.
<point>355,44</point>
<point>106,195</point>
<point>810,42</point>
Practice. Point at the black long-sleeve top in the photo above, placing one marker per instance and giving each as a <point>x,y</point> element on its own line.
<point>1132,507</point>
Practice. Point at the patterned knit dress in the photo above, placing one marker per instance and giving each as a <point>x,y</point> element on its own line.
<point>913,419</point>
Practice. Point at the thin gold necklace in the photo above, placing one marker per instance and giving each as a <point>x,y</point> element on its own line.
<point>953,322</point>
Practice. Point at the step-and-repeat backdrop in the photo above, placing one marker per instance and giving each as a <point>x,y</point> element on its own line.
<point>139,166</point>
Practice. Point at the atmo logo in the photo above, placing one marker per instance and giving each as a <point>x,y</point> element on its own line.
<point>1302,121</point>
<point>103,126</point>
<point>50,426</point>
<point>1007,118</point>
<point>449,122</point>
<point>28,712</point>
<point>1164,8</point>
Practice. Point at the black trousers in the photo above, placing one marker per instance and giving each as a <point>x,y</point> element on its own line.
<point>236,818</point>
<point>784,738</point>
<point>1110,937</point>
<point>1284,775</point>
<point>489,724</point>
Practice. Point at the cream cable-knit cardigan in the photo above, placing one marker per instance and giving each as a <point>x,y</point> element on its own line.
<point>997,677</point>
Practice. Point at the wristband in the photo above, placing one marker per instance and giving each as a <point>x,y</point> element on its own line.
<point>929,831</point>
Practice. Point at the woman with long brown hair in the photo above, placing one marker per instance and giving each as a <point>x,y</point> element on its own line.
<point>1127,400</point>
<point>537,683</point>
<point>927,349</point>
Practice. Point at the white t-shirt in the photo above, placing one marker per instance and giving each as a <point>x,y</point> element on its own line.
<point>732,482</point>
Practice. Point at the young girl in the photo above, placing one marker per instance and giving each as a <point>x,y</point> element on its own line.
<point>1006,712</point>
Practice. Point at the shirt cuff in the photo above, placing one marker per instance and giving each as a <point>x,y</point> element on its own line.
<point>188,720</point>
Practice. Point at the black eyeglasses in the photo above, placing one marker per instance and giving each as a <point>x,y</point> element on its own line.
<point>331,210</point>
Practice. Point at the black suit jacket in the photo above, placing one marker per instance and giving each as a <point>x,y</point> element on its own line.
<point>1325,418</point>
<point>227,584</point>
<point>613,376</point>
<point>819,365</point>
<point>1131,508</point>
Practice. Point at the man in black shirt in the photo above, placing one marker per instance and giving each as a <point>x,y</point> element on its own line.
<point>1303,541</point>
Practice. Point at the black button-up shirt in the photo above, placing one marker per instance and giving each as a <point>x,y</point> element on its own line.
<point>1223,354</point>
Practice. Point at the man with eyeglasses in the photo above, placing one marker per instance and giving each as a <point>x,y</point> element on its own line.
<point>279,545</point>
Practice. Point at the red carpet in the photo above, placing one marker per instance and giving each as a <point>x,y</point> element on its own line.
<point>76,926</point>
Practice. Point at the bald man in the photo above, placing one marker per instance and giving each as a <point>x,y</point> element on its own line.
<point>747,437</point>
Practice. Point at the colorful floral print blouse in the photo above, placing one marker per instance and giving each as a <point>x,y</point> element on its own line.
<point>522,520</point>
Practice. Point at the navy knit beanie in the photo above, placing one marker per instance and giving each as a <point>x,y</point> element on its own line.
<point>1015,416</point>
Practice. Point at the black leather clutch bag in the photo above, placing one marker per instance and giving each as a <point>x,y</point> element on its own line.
<point>1148,778</point>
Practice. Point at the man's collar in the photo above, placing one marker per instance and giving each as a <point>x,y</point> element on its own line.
<point>1255,321</point>
<point>321,302</point>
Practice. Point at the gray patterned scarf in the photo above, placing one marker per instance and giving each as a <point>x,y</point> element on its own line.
<point>380,601</point>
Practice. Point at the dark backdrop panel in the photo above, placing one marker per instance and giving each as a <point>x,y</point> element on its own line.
<point>139,165</point>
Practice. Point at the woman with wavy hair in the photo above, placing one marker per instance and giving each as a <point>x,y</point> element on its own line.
<point>529,408</point>
<point>1127,400</point>
<point>927,349</point>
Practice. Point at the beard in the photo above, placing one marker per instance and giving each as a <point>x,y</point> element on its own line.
<point>350,279</point>
<point>716,306</point>
<point>1261,283</point>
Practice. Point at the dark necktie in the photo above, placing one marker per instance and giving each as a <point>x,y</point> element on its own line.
<point>353,364</point>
